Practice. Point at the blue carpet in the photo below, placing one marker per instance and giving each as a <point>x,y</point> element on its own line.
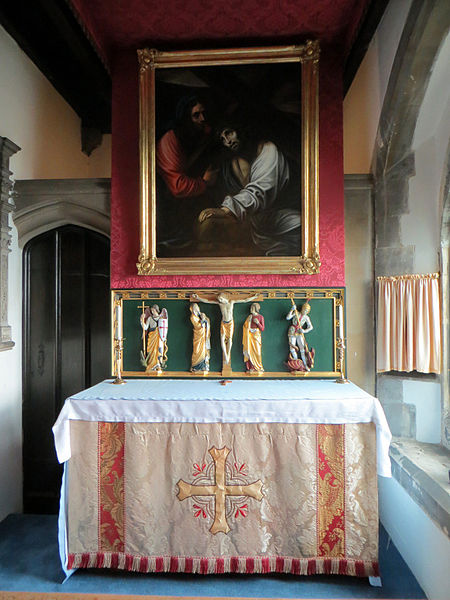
<point>29,561</point>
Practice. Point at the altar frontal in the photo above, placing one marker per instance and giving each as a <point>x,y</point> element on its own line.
<point>223,497</point>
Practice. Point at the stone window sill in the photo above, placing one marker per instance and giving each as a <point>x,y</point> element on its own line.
<point>423,471</point>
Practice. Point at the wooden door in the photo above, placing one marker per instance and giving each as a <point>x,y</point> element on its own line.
<point>66,334</point>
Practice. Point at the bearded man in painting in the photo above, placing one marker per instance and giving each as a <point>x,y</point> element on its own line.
<point>183,162</point>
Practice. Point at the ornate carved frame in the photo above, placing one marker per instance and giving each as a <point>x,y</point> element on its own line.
<point>7,206</point>
<point>309,262</point>
<point>299,295</point>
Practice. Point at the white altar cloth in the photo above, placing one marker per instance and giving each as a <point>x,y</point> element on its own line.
<point>239,401</point>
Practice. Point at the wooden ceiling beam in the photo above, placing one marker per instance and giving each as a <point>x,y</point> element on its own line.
<point>365,34</point>
<point>48,32</point>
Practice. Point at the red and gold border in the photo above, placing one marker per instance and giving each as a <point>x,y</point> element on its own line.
<point>330,491</point>
<point>111,458</point>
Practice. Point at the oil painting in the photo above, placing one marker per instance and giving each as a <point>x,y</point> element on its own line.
<point>229,161</point>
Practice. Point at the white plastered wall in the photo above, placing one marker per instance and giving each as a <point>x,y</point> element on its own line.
<point>36,118</point>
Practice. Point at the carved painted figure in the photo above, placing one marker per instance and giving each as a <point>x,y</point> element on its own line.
<point>300,357</point>
<point>226,302</point>
<point>200,340</point>
<point>252,339</point>
<point>155,323</point>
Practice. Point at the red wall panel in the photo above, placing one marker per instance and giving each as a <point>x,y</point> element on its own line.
<point>125,188</point>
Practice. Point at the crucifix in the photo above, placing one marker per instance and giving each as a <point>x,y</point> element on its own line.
<point>220,490</point>
<point>143,307</point>
<point>226,302</point>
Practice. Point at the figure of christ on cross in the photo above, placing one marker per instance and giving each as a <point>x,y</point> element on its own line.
<point>220,490</point>
<point>226,302</point>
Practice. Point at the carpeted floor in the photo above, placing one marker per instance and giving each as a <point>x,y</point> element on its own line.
<point>55,596</point>
<point>29,562</point>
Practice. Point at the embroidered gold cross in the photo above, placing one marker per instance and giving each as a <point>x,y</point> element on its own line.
<point>220,490</point>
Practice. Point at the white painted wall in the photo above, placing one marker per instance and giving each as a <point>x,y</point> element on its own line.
<point>423,546</point>
<point>36,118</point>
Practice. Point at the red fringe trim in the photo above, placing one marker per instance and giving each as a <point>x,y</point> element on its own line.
<point>231,564</point>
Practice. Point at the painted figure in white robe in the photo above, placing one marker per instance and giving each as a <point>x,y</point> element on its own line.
<point>300,357</point>
<point>201,346</point>
<point>256,177</point>
<point>154,323</point>
<point>252,339</point>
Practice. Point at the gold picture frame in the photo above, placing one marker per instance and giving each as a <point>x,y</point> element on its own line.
<point>154,66</point>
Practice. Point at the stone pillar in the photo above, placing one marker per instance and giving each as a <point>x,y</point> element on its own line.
<point>445,303</point>
<point>7,149</point>
<point>359,267</point>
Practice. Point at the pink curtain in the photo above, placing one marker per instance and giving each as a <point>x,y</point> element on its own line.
<point>409,317</point>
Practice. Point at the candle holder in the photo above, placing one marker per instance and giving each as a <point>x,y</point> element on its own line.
<point>341,348</point>
<point>118,348</point>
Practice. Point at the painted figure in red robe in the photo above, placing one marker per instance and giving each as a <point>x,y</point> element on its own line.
<point>183,162</point>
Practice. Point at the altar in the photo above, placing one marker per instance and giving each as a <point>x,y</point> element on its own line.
<point>215,476</point>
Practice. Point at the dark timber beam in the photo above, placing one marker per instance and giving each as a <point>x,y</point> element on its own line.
<point>49,33</point>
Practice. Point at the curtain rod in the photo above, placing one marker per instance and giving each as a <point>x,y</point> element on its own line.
<point>400,277</point>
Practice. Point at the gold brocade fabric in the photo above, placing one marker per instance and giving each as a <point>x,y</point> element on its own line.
<point>221,490</point>
<point>199,342</point>
<point>152,348</point>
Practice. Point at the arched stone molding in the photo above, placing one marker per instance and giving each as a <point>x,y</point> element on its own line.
<point>44,204</point>
<point>396,159</point>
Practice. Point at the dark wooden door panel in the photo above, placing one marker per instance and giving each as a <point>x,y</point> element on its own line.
<point>73,312</point>
<point>99,313</point>
<point>66,344</point>
<point>40,344</point>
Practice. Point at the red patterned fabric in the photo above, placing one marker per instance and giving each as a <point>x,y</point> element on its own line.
<point>111,456</point>
<point>331,490</point>
<point>135,22</point>
<point>125,188</point>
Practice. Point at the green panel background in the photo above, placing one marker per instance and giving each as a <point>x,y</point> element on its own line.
<point>274,337</point>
